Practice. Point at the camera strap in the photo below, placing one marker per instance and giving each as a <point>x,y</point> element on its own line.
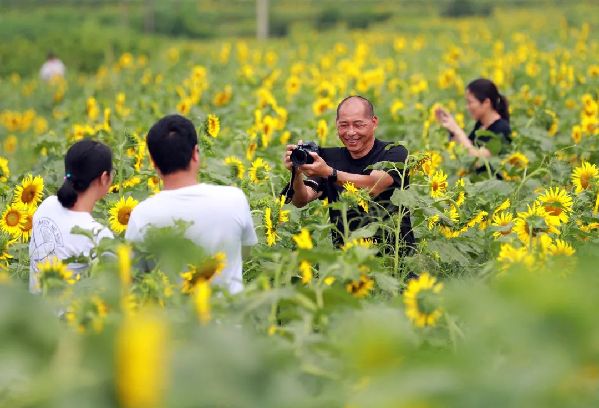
<point>288,192</point>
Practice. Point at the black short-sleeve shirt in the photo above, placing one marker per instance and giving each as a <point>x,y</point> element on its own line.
<point>500,127</point>
<point>340,159</point>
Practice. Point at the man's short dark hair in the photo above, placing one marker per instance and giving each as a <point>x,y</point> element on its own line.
<point>171,142</point>
<point>367,105</point>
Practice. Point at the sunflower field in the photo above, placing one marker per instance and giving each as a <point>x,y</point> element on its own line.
<point>498,305</point>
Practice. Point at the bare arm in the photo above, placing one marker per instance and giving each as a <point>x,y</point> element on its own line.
<point>376,182</point>
<point>302,193</point>
<point>448,122</point>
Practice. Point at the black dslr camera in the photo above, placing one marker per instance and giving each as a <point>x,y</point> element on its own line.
<point>301,154</point>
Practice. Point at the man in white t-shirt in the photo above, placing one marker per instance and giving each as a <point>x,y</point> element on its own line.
<point>53,67</point>
<point>220,215</point>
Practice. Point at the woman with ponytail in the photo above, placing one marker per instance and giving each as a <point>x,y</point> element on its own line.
<point>88,176</point>
<point>490,110</point>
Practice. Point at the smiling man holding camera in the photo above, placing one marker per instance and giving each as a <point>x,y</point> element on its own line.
<point>321,173</point>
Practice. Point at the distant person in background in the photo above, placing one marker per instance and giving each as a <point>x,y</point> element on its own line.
<point>88,176</point>
<point>490,110</point>
<point>52,68</point>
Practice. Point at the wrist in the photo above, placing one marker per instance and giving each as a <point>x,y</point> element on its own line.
<point>299,179</point>
<point>332,176</point>
<point>454,128</point>
<point>460,137</point>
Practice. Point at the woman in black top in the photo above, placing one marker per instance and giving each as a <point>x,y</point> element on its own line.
<point>490,110</point>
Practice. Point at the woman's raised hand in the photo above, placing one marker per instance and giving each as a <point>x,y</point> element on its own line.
<point>446,119</point>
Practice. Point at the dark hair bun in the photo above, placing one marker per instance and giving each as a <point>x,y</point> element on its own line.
<point>85,161</point>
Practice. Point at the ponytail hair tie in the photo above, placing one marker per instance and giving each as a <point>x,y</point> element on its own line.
<point>68,176</point>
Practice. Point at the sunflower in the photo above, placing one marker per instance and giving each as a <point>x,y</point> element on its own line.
<point>6,241</point>
<point>590,125</point>
<point>106,123</point>
<point>557,203</point>
<point>154,184</point>
<point>4,170</point>
<point>561,248</point>
<point>561,259</point>
<point>545,243</point>
<point>396,107</point>
<point>283,214</point>
<point>123,253</point>
<point>533,223</point>
<point>140,155</point>
<point>517,160</point>
<point>201,301</point>
<point>583,175</point>
<point>92,109</point>
<point>461,198</point>
<point>292,85</point>
<point>251,150</point>
<point>322,105</point>
<point>479,218</point>
<point>355,195</point>
<point>576,134</point>
<point>53,269</point>
<point>10,144</point>
<point>588,228</point>
<point>204,271</point>
<point>184,106</point>
<point>87,313</point>
<point>554,124</point>
<point>267,128</point>
<point>284,138</point>
<point>503,206</point>
<point>259,170</point>
<point>305,268</point>
<point>303,240</point>
<point>503,221</point>
<point>120,213</point>
<point>13,219</point>
<point>431,162</point>
<point>359,243</point>
<point>271,234</point>
<point>100,310</point>
<point>30,191</point>
<point>421,300</point>
<point>449,233</point>
<point>223,97</point>
<point>213,125</point>
<point>438,184</point>
<point>510,256</point>
<point>322,130</point>
<point>361,287</point>
<point>432,221</point>
<point>140,360</point>
<point>452,213</point>
<point>237,165</point>
<point>131,182</point>
<point>27,225</point>
<point>282,115</point>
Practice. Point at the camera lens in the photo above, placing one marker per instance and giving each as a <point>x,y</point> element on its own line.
<point>299,157</point>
